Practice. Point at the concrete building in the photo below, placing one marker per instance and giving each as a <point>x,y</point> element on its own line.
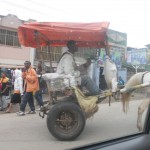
<point>11,52</point>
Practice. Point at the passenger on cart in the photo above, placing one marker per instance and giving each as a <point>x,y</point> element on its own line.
<point>67,66</point>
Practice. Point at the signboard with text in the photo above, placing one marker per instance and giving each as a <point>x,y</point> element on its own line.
<point>137,56</point>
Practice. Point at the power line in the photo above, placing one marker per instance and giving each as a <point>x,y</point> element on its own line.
<point>26,8</point>
<point>44,5</point>
<point>59,14</point>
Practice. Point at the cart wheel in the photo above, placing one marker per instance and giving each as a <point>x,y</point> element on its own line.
<point>65,121</point>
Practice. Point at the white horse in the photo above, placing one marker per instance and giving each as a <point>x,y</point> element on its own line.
<point>138,80</point>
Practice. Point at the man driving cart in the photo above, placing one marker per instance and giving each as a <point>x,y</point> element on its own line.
<point>68,66</point>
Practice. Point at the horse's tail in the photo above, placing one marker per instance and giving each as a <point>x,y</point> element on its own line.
<point>125,101</point>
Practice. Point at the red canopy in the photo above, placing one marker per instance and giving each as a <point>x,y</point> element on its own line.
<point>58,33</point>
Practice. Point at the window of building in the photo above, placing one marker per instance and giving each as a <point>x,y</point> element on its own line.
<point>9,38</point>
<point>42,53</point>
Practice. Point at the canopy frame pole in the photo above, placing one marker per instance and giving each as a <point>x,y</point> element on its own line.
<point>107,45</point>
<point>50,61</point>
<point>37,34</point>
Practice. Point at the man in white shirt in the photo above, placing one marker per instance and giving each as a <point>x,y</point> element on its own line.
<point>67,66</point>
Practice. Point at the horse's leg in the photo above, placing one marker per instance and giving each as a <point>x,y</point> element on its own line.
<point>141,109</point>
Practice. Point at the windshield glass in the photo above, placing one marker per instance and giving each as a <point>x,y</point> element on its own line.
<point>106,81</point>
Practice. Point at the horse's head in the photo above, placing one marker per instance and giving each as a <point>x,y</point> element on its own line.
<point>110,73</point>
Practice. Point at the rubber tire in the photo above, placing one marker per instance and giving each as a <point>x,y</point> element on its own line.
<point>55,129</point>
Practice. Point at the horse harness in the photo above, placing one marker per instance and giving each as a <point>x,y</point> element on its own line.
<point>144,75</point>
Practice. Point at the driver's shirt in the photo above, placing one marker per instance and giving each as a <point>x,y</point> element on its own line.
<point>67,66</point>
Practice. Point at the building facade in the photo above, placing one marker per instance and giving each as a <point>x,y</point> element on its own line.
<point>11,52</point>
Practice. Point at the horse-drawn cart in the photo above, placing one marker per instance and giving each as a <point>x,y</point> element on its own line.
<point>68,107</point>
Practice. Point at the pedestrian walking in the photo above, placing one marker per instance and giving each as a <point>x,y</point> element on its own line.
<point>4,91</point>
<point>18,89</point>
<point>38,94</point>
<point>31,85</point>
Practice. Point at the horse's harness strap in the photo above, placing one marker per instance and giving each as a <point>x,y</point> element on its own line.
<point>143,76</point>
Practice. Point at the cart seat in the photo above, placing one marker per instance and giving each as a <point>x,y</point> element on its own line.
<point>58,82</point>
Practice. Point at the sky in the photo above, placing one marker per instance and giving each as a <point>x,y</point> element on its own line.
<point>127,16</point>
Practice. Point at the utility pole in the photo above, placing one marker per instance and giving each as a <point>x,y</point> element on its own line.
<point>135,67</point>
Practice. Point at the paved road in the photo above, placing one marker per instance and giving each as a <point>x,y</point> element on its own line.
<point>29,132</point>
